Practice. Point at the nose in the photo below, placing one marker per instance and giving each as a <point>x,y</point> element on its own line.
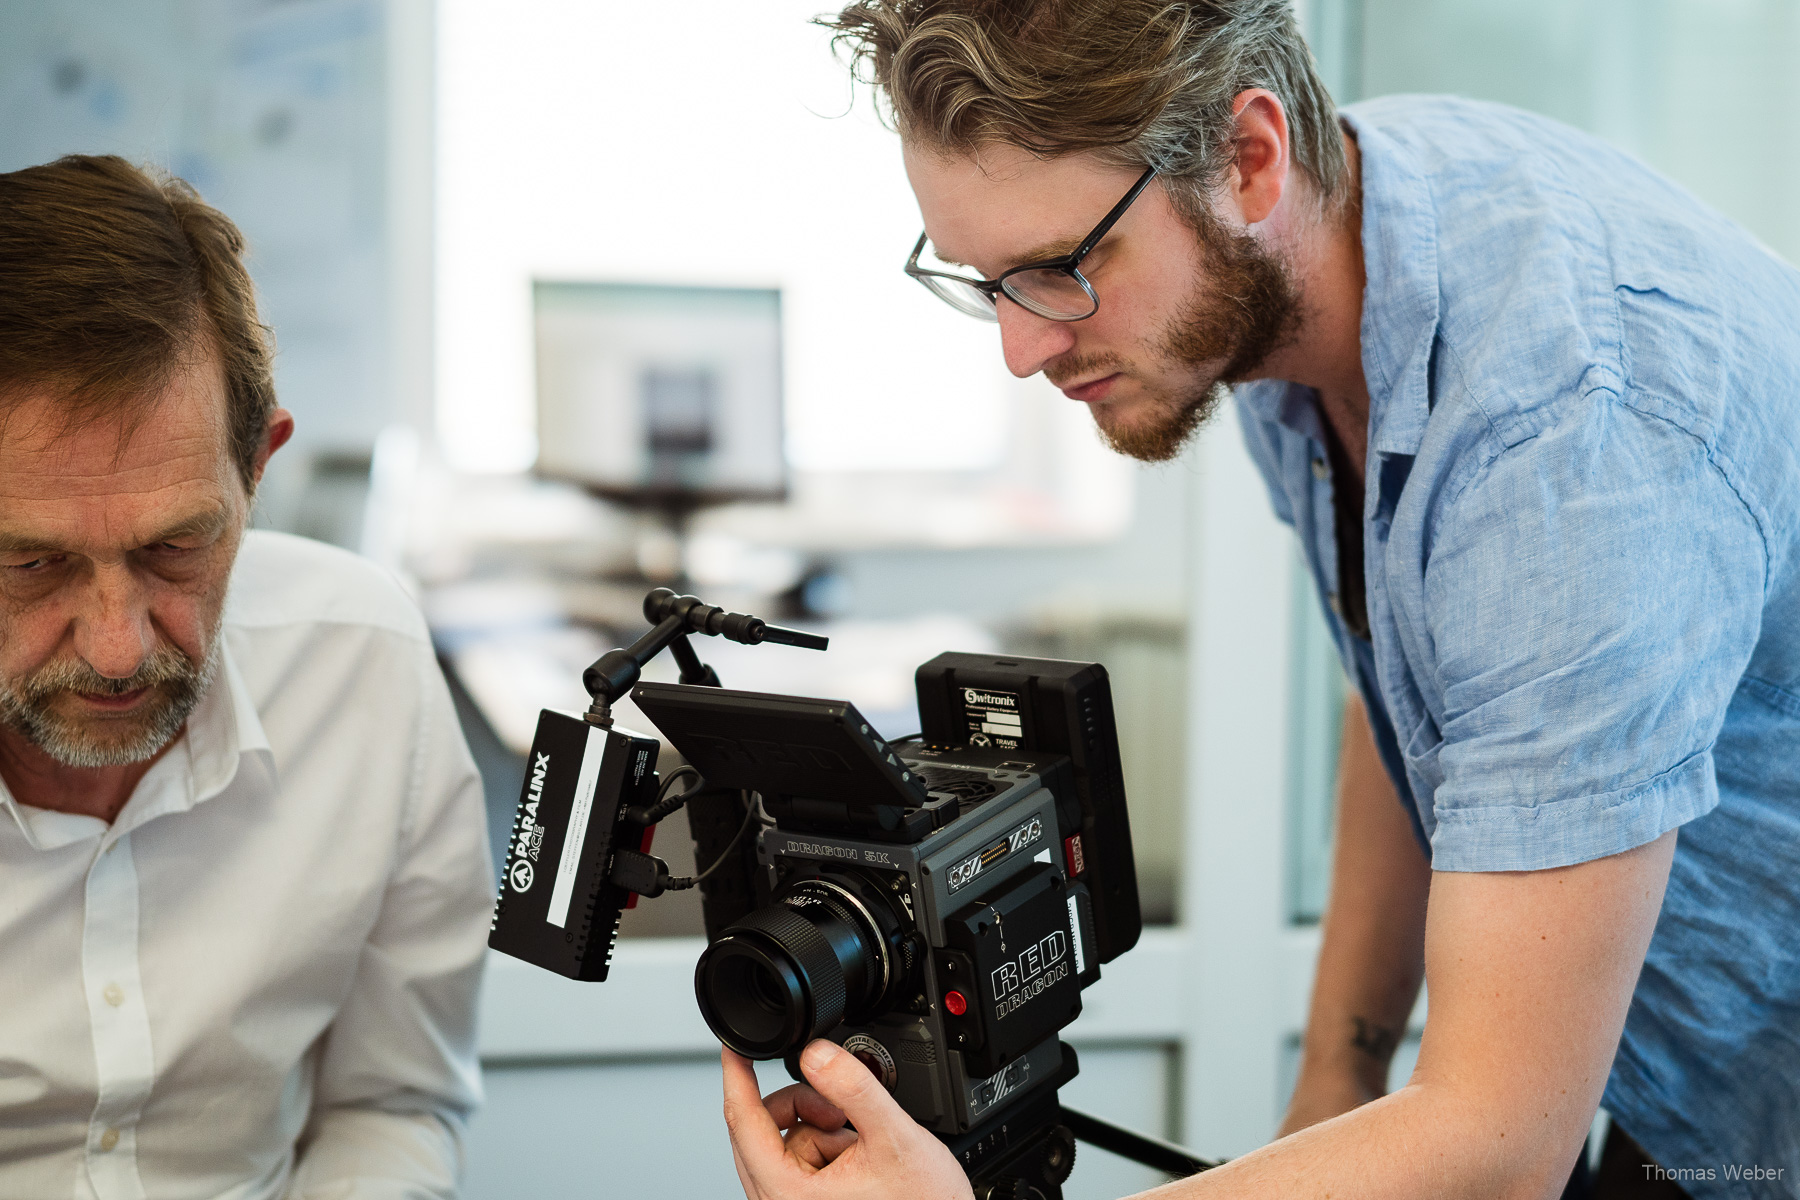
<point>1029,341</point>
<point>113,632</point>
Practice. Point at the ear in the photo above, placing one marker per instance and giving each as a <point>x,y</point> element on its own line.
<point>1259,174</point>
<point>281,428</point>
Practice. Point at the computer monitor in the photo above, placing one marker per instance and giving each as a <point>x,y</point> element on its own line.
<point>660,396</point>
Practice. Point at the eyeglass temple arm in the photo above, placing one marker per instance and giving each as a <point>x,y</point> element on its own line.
<point>912,264</point>
<point>1080,252</point>
<point>1118,210</point>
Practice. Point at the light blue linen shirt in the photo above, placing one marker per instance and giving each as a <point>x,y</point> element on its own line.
<point>1582,560</point>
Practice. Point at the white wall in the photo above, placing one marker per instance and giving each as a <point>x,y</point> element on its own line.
<point>308,124</point>
<point>708,142</point>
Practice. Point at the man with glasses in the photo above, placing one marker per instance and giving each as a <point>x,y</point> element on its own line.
<point>1534,414</point>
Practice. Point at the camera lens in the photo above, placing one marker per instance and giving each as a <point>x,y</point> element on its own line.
<point>796,969</point>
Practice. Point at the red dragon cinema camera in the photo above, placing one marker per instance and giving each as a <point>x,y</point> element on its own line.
<point>936,905</point>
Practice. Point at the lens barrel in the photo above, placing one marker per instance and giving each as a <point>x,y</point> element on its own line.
<point>793,970</point>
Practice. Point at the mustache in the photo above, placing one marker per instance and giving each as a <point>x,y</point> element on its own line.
<point>163,665</point>
<point>1064,370</point>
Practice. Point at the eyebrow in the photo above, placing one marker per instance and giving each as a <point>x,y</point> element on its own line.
<point>201,524</point>
<point>1059,248</point>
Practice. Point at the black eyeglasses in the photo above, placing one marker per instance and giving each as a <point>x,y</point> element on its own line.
<point>1055,288</point>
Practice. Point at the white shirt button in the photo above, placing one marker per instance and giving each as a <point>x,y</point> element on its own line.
<point>1320,468</point>
<point>115,996</point>
<point>109,1139</point>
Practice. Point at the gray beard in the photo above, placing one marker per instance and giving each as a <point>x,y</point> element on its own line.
<point>27,707</point>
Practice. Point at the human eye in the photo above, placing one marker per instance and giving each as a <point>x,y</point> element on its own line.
<point>181,544</point>
<point>179,557</point>
<point>173,557</point>
<point>27,564</point>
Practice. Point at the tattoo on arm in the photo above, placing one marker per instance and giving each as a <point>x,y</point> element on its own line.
<point>1373,1040</point>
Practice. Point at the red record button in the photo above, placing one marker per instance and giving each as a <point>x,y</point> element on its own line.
<point>955,1003</point>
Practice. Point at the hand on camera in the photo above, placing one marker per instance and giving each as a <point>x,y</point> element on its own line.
<point>793,1144</point>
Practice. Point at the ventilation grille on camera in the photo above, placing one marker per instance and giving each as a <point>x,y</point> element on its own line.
<point>965,787</point>
<point>923,1054</point>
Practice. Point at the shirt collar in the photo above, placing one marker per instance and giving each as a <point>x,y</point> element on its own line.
<point>1400,296</point>
<point>223,730</point>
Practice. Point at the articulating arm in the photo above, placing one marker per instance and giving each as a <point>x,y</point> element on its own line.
<point>672,618</point>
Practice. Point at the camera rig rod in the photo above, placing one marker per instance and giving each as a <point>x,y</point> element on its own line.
<point>1151,1152</point>
<point>672,619</point>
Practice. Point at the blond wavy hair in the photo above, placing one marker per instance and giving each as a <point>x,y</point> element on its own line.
<point>1138,82</point>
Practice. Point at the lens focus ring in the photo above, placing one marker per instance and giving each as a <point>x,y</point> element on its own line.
<point>811,953</point>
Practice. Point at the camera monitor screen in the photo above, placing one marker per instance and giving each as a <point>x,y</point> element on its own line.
<point>656,394</point>
<point>789,745</point>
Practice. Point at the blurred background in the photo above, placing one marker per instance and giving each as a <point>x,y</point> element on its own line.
<point>575,298</point>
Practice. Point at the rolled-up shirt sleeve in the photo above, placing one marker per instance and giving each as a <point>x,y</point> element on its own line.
<point>398,1075</point>
<point>1592,597</point>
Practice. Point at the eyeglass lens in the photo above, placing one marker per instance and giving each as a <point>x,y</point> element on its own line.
<point>963,297</point>
<point>1058,295</point>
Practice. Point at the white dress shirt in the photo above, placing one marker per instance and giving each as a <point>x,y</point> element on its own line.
<point>260,979</point>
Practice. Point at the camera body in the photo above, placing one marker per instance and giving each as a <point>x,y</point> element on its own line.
<point>935,905</point>
<point>983,937</point>
<point>1004,938</point>
<point>965,885</point>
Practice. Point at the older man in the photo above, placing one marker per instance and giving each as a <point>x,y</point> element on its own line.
<point>245,868</point>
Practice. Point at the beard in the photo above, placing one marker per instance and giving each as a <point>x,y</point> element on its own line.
<point>1247,307</point>
<point>176,684</point>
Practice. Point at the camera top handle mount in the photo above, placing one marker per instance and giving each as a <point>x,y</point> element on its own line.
<point>672,619</point>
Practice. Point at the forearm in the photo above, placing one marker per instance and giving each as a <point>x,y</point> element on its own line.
<point>369,1154</point>
<point>398,1075</point>
<point>1371,957</point>
<point>1531,975</point>
<point>1422,1142</point>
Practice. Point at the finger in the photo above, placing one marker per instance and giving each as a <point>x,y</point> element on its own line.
<point>754,1138</point>
<point>844,1082</point>
<point>797,1102</point>
<point>818,1148</point>
<point>751,1191</point>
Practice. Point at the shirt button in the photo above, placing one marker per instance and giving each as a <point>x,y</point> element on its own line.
<point>109,1139</point>
<point>1336,605</point>
<point>115,995</point>
<point>1320,468</point>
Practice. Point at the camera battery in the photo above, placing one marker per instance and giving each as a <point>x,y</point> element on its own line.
<point>557,909</point>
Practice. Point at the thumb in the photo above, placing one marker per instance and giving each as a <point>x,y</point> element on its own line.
<point>836,1075</point>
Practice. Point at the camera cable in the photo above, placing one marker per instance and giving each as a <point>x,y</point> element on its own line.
<point>648,875</point>
<point>666,804</point>
<point>681,883</point>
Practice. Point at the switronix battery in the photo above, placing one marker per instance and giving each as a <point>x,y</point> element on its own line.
<point>556,908</point>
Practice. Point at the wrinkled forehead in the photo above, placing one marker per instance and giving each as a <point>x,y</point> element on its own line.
<point>1000,206</point>
<point>85,477</point>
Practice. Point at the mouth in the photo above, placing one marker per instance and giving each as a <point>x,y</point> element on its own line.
<point>114,703</point>
<point>1094,389</point>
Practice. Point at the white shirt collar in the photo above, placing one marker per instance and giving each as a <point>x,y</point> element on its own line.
<point>223,729</point>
